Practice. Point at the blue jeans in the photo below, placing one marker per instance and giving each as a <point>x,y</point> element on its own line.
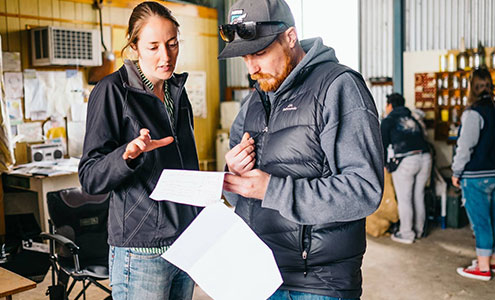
<point>293,295</point>
<point>479,194</point>
<point>135,275</point>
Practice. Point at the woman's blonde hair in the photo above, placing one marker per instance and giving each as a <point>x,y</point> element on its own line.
<point>139,16</point>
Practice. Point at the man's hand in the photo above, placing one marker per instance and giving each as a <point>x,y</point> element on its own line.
<point>240,159</point>
<point>144,143</point>
<point>456,182</point>
<point>252,184</point>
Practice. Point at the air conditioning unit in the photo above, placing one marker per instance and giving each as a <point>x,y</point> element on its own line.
<point>65,46</point>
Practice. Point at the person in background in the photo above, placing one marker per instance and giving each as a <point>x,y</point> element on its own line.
<point>405,135</point>
<point>306,153</point>
<point>473,170</point>
<point>140,122</point>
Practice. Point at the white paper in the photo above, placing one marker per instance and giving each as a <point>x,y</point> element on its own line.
<point>11,61</point>
<point>13,85</point>
<point>48,168</point>
<point>35,102</point>
<point>75,132</point>
<point>225,257</point>
<point>198,188</point>
<point>52,93</point>
<point>196,91</point>
<point>30,132</point>
<point>79,111</point>
<point>14,108</point>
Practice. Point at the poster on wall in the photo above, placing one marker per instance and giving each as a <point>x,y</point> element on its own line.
<point>11,61</point>
<point>14,109</point>
<point>196,90</point>
<point>13,85</point>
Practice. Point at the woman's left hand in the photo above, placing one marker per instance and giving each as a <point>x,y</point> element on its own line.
<point>456,182</point>
<point>144,143</point>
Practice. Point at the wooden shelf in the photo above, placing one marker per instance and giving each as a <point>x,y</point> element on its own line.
<point>432,87</point>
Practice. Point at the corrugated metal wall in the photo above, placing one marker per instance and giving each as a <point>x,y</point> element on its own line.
<point>440,24</point>
<point>236,68</point>
<point>376,45</point>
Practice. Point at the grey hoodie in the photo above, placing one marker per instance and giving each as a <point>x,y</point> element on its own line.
<point>351,140</point>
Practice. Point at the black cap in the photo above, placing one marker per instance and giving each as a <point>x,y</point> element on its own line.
<point>257,11</point>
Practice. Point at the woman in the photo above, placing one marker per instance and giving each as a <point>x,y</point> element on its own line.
<point>474,171</point>
<point>139,123</point>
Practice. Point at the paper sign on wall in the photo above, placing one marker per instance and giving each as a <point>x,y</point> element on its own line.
<point>196,90</point>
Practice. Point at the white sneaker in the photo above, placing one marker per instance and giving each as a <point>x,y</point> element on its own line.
<point>396,237</point>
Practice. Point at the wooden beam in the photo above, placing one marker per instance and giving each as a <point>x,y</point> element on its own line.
<point>176,8</point>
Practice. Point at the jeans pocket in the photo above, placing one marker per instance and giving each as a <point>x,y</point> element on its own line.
<point>144,255</point>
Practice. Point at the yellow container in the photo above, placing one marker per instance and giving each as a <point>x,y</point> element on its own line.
<point>444,115</point>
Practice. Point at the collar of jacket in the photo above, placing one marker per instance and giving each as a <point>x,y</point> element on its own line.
<point>134,81</point>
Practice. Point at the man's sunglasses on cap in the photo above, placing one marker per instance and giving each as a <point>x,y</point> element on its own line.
<point>246,30</point>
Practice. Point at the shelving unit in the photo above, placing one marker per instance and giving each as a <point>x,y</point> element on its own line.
<point>443,96</point>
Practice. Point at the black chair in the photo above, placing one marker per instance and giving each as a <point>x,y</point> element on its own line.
<point>78,241</point>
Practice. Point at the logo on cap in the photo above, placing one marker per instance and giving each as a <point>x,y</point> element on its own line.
<point>237,16</point>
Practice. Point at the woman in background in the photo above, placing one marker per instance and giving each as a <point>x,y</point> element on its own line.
<point>140,122</point>
<point>474,171</point>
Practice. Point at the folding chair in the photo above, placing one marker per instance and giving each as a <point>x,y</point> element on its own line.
<point>78,241</point>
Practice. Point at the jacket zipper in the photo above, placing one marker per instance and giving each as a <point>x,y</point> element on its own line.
<point>173,129</point>
<point>168,118</point>
<point>305,231</point>
<point>264,132</point>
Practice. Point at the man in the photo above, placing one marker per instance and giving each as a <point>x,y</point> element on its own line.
<point>318,170</point>
<point>405,135</point>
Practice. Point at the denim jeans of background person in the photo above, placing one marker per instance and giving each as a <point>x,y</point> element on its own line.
<point>406,136</point>
<point>306,157</point>
<point>479,195</point>
<point>140,122</point>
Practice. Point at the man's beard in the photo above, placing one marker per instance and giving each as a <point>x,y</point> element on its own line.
<point>270,83</point>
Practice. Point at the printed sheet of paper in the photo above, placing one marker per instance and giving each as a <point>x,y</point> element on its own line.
<point>198,188</point>
<point>225,257</point>
<point>11,61</point>
<point>196,91</point>
<point>13,85</point>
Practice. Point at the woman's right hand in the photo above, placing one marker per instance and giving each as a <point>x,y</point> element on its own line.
<point>144,143</point>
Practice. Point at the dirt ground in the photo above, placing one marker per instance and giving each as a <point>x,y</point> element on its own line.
<point>423,270</point>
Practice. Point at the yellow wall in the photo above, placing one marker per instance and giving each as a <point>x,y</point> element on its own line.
<point>198,50</point>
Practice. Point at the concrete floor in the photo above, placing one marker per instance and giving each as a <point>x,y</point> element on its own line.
<point>423,270</point>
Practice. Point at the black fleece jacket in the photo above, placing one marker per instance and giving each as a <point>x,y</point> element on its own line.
<point>119,106</point>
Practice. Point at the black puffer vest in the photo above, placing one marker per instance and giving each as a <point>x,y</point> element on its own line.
<point>324,258</point>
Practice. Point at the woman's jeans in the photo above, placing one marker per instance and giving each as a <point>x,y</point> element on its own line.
<point>137,275</point>
<point>479,194</point>
<point>293,295</point>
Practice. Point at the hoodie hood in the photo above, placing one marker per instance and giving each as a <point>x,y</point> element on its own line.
<point>401,111</point>
<point>316,53</point>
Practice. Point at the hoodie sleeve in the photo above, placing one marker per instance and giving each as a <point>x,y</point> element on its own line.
<point>472,123</point>
<point>352,144</point>
<point>102,167</point>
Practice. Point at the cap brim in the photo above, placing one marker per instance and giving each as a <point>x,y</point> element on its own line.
<point>241,47</point>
